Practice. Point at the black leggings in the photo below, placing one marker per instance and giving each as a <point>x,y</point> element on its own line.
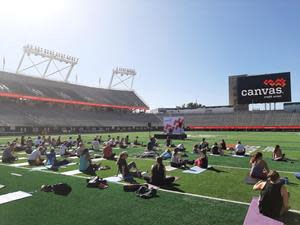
<point>167,181</point>
<point>182,163</point>
<point>91,170</point>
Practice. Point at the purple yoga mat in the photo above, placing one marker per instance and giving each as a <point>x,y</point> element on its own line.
<point>254,217</point>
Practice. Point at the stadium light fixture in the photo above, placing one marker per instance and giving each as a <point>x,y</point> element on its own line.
<point>49,57</point>
<point>123,76</point>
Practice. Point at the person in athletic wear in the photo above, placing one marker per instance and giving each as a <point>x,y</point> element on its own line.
<point>277,154</point>
<point>259,168</point>
<point>274,197</point>
<point>158,174</point>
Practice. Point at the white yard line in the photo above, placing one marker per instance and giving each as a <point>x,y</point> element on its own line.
<point>164,190</point>
<point>243,168</point>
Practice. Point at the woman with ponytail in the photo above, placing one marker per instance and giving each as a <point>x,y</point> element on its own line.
<point>259,168</point>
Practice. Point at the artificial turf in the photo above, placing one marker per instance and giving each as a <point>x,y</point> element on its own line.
<point>226,183</point>
<point>109,206</point>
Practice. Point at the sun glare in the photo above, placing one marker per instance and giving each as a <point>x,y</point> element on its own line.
<point>30,9</point>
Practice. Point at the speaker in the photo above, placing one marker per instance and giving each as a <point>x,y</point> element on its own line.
<point>149,124</point>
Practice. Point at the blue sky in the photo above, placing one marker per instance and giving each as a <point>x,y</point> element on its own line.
<point>182,50</point>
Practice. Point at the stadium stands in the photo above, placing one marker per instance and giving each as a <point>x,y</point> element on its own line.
<point>241,119</point>
<point>29,103</point>
<point>18,86</point>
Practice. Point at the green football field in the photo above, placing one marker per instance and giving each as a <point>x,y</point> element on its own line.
<point>217,196</point>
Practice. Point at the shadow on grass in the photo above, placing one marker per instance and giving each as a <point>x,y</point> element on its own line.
<point>291,218</point>
<point>217,170</point>
<point>172,187</point>
<point>292,184</point>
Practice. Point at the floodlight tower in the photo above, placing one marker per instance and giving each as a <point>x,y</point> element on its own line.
<point>123,76</point>
<point>49,57</point>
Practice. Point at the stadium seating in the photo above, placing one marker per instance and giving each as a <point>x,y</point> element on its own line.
<point>241,118</point>
<point>12,114</point>
<point>32,86</point>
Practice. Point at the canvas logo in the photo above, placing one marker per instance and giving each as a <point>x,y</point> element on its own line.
<point>274,88</point>
<point>280,82</point>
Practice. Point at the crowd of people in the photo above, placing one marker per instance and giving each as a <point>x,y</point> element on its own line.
<point>43,151</point>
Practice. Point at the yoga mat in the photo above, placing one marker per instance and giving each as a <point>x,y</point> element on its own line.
<point>269,149</point>
<point>20,164</point>
<point>16,174</point>
<point>72,172</point>
<point>170,168</point>
<point>214,155</point>
<point>21,158</point>
<point>114,179</point>
<point>73,157</point>
<point>71,164</point>
<point>250,180</point>
<point>2,186</point>
<point>240,156</point>
<point>195,170</point>
<point>39,168</point>
<point>98,159</point>
<point>13,196</point>
<point>254,217</point>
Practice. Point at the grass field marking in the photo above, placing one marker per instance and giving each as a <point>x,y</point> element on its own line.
<point>205,197</point>
<point>71,172</point>
<point>243,168</point>
<point>174,192</point>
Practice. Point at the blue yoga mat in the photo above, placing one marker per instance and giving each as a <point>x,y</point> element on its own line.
<point>297,175</point>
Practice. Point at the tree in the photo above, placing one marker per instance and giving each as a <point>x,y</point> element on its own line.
<point>190,105</point>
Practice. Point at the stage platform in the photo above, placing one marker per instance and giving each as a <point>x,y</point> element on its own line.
<point>172,136</point>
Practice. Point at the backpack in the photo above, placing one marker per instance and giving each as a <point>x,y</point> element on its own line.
<point>96,182</point>
<point>145,192</point>
<point>131,187</point>
<point>61,189</point>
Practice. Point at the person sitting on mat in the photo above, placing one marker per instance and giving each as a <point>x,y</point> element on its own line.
<point>136,141</point>
<point>240,149</point>
<point>127,142</point>
<point>202,161</point>
<point>151,146</point>
<point>215,150</point>
<point>35,158</point>
<point>85,164</point>
<point>223,146</point>
<point>122,144</point>
<point>169,142</point>
<point>129,170</point>
<point>51,157</point>
<point>166,154</point>
<point>108,153</point>
<point>177,162</point>
<point>204,145</point>
<point>277,154</point>
<point>7,155</point>
<point>80,149</point>
<point>95,144</point>
<point>274,196</point>
<point>196,149</point>
<point>158,174</point>
<point>259,169</point>
<point>63,151</point>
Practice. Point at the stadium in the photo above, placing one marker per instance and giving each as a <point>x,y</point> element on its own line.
<point>74,154</point>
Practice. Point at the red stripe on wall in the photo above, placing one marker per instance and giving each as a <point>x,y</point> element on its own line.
<point>244,127</point>
<point>72,102</point>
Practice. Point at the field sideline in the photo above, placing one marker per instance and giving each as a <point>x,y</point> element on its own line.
<point>216,188</point>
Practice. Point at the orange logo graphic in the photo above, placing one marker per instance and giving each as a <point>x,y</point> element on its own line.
<point>279,82</point>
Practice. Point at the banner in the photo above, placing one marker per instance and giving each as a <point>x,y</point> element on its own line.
<point>266,88</point>
<point>174,125</point>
